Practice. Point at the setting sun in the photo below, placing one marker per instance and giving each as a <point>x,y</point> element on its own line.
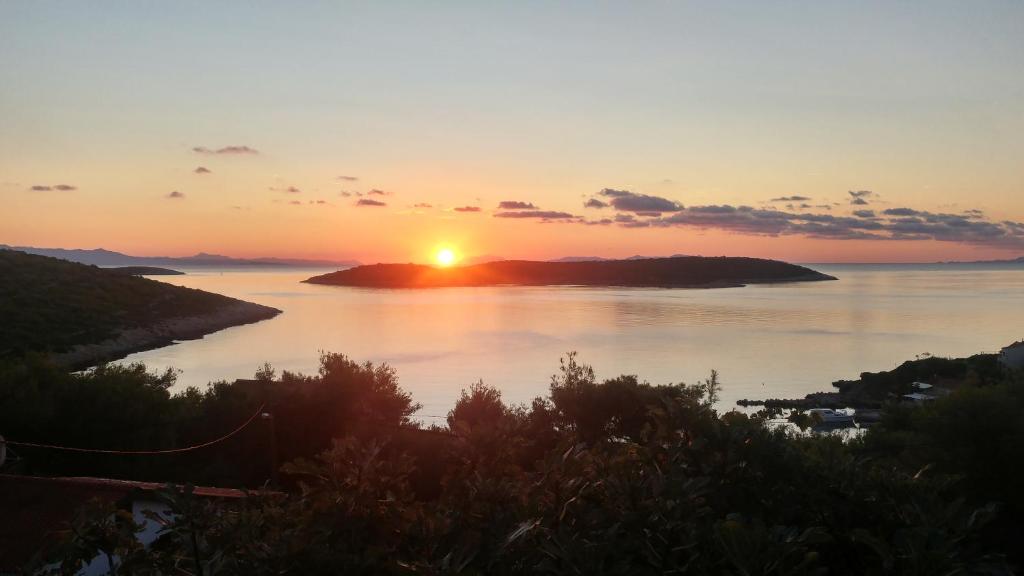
<point>445,257</point>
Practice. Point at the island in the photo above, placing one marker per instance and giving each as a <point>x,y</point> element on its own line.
<point>81,315</point>
<point>673,272</point>
<point>145,271</point>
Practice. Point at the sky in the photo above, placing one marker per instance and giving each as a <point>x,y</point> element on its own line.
<point>381,131</point>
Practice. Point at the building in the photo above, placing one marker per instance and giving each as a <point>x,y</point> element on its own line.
<point>1013,356</point>
<point>37,513</point>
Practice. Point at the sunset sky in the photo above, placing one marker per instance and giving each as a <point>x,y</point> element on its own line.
<point>379,131</point>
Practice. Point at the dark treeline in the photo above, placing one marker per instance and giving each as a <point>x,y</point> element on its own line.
<point>607,477</point>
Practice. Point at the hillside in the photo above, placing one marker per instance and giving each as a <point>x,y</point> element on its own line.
<point>684,271</point>
<point>84,314</point>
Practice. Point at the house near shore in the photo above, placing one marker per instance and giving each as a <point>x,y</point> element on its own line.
<point>1013,356</point>
<point>37,513</point>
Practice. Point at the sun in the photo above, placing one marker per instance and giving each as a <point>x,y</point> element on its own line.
<point>445,257</point>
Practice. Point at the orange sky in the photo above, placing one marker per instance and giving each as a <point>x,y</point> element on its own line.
<point>108,113</point>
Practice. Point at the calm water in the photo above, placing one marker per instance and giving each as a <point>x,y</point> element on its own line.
<point>765,341</point>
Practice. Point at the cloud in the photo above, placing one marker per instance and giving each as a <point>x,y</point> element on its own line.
<point>202,170</point>
<point>595,203</point>
<point>894,224</point>
<point>515,205</point>
<point>790,199</point>
<point>226,150</point>
<point>543,214</point>
<point>626,201</point>
<point>295,203</point>
<point>422,205</point>
<point>50,188</point>
<point>344,194</point>
<point>369,202</point>
<point>175,195</point>
<point>859,202</point>
<point>376,192</point>
<point>288,190</point>
<point>467,208</point>
<point>861,193</point>
<point>349,178</point>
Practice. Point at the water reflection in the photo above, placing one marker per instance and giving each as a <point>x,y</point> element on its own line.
<point>766,341</point>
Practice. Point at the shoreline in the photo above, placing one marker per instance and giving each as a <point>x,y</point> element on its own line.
<point>162,334</point>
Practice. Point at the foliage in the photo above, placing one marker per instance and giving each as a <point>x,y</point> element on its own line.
<point>607,477</point>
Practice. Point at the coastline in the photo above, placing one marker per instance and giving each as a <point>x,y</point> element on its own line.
<point>162,334</point>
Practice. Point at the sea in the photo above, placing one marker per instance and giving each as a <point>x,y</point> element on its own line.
<point>765,341</point>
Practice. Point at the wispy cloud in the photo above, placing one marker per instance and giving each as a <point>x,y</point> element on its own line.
<point>53,187</point>
<point>790,199</point>
<point>369,202</point>
<point>288,190</point>
<point>595,203</point>
<point>422,205</point>
<point>376,192</point>
<point>225,150</point>
<point>515,205</point>
<point>175,195</point>
<point>467,208</point>
<point>349,178</point>
<point>202,170</point>
<point>541,214</point>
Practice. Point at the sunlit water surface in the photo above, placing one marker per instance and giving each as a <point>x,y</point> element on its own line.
<point>766,341</point>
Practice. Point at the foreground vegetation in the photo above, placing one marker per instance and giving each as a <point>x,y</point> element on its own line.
<point>596,478</point>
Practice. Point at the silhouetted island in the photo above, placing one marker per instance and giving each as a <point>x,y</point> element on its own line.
<point>674,272</point>
<point>82,315</point>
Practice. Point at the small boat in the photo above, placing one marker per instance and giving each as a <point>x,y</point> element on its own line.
<point>830,416</point>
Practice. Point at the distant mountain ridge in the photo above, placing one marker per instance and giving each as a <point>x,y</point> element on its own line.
<point>102,257</point>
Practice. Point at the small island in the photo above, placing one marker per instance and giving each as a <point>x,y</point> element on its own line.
<point>674,272</point>
<point>82,315</point>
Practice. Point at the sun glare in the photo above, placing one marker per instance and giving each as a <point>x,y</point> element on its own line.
<point>445,257</point>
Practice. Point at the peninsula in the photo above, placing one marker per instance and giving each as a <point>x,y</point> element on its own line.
<point>674,272</point>
<point>82,315</point>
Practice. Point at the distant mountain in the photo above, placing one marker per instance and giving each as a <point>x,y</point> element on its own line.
<point>600,259</point>
<point>1013,261</point>
<point>681,272</point>
<point>101,257</point>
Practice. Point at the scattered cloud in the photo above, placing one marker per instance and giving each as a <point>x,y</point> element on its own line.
<point>349,178</point>
<point>52,187</point>
<point>790,199</point>
<point>595,203</point>
<point>225,150</point>
<point>295,203</point>
<point>515,205</point>
<point>175,195</point>
<point>288,190</point>
<point>542,214</point>
<point>376,192</point>
<point>369,202</point>
<point>202,170</point>
<point>864,213</point>
<point>860,193</point>
<point>859,202</point>
<point>422,205</point>
<point>467,208</point>
<point>626,201</point>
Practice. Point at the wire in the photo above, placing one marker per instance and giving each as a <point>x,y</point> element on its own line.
<point>139,452</point>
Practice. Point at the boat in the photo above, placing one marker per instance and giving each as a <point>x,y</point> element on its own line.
<point>830,416</point>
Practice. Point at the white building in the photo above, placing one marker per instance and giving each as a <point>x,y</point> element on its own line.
<point>1013,356</point>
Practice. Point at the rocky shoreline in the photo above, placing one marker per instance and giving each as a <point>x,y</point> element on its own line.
<point>164,333</point>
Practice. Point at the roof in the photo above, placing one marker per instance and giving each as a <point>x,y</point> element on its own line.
<point>1015,345</point>
<point>37,511</point>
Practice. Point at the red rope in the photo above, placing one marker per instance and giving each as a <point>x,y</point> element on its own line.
<point>138,452</point>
